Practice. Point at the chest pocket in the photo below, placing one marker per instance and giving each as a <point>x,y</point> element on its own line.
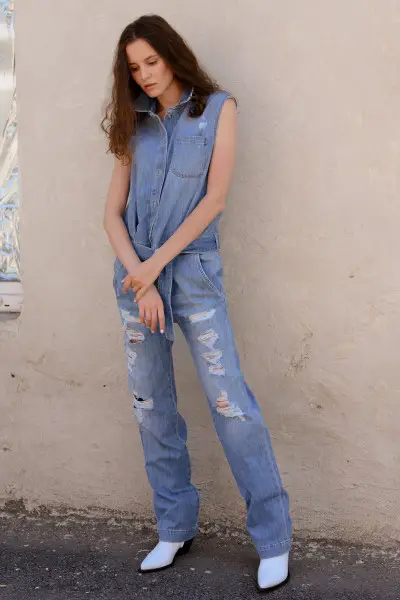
<point>189,157</point>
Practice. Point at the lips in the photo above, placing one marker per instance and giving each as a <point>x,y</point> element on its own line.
<point>148,87</point>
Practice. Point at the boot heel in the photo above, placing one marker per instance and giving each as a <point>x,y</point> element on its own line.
<point>185,548</point>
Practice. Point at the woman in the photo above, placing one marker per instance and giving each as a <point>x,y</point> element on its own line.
<point>172,131</point>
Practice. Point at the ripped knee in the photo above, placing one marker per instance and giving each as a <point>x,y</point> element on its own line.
<point>141,405</point>
<point>228,409</point>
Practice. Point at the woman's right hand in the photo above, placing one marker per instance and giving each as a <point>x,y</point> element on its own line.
<point>151,310</point>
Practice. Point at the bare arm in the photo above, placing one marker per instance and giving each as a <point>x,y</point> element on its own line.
<point>113,222</point>
<point>213,203</point>
<point>151,309</point>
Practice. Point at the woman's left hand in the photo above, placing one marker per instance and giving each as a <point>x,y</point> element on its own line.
<point>146,274</point>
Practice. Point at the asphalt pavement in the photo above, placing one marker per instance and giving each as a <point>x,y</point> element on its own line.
<point>69,557</point>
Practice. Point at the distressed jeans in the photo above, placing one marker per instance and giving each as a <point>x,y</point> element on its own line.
<point>200,310</point>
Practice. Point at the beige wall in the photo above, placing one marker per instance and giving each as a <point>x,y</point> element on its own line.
<point>310,244</point>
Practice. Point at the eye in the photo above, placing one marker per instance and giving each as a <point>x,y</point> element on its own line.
<point>153,62</point>
<point>134,69</point>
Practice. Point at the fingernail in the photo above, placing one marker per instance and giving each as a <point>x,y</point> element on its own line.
<point>162,330</point>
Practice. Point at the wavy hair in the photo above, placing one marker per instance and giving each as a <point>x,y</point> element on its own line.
<point>120,119</point>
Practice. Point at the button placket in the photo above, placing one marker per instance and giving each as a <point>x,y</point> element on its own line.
<point>159,175</point>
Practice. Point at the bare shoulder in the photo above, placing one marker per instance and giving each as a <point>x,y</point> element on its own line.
<point>227,118</point>
<point>229,107</point>
<point>223,156</point>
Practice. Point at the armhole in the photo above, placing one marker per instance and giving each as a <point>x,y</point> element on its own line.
<point>229,96</point>
<point>226,96</point>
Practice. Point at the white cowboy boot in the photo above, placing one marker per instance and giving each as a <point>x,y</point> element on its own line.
<point>163,555</point>
<point>273,572</point>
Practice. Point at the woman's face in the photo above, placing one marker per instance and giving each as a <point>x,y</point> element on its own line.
<point>148,69</point>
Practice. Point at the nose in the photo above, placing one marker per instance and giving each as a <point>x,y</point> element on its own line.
<point>144,74</point>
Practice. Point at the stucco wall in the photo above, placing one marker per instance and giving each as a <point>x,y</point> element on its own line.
<point>310,246</point>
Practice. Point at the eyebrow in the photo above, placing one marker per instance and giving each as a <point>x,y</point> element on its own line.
<point>148,58</point>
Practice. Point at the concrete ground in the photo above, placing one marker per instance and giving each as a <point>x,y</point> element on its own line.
<point>55,558</point>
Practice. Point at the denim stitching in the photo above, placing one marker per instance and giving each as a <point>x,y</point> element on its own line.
<point>269,546</point>
<point>173,395</point>
<point>274,466</point>
<point>229,97</point>
<point>180,143</point>
<point>178,530</point>
<point>205,278</point>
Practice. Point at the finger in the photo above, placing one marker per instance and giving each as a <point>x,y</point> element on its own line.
<point>125,285</point>
<point>141,293</point>
<point>153,320</point>
<point>141,313</point>
<point>161,319</point>
<point>147,318</point>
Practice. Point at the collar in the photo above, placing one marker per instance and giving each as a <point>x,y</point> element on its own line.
<point>146,104</point>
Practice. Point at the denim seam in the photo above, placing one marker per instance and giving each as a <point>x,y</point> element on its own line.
<point>275,474</point>
<point>173,394</point>
<point>228,97</point>
<point>205,277</point>
<point>178,530</point>
<point>178,173</point>
<point>182,176</point>
<point>282,543</point>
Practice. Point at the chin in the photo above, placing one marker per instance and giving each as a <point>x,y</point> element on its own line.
<point>152,93</point>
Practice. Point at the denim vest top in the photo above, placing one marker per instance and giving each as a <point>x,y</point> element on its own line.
<point>169,174</point>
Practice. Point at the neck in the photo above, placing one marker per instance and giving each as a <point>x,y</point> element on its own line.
<point>171,95</point>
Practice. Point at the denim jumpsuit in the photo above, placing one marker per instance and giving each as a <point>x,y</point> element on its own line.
<point>168,179</point>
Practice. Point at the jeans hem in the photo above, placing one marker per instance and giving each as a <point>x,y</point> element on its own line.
<point>274,550</point>
<point>176,535</point>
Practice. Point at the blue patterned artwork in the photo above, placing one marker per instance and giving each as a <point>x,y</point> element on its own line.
<point>9,172</point>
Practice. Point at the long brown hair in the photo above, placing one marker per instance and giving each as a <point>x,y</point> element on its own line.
<point>119,122</point>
